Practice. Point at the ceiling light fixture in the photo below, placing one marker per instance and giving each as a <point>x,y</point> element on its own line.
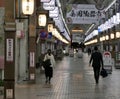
<point>75,30</point>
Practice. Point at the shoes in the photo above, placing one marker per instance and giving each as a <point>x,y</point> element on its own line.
<point>47,82</point>
<point>97,82</point>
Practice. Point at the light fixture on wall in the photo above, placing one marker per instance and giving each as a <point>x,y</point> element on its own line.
<point>103,38</point>
<point>107,37</point>
<point>42,19</point>
<point>112,36</point>
<point>117,34</point>
<point>27,7</point>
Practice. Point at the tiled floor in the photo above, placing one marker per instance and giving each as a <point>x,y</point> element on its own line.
<point>73,79</point>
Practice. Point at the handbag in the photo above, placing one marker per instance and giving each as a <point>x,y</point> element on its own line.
<point>103,73</point>
<point>46,63</point>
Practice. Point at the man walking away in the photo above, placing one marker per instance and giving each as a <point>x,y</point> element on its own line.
<point>97,63</point>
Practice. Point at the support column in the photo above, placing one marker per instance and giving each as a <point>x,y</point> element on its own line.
<point>32,48</point>
<point>9,71</point>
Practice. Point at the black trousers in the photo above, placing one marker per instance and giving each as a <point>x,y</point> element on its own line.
<point>49,72</point>
<point>96,73</point>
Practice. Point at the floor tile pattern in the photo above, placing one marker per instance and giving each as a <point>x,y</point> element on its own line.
<point>73,79</point>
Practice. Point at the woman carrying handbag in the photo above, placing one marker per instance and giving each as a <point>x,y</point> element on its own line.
<point>49,63</point>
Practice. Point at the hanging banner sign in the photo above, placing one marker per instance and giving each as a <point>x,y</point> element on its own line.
<point>54,13</point>
<point>49,6</point>
<point>9,50</point>
<point>45,0</point>
<point>59,23</point>
<point>65,34</point>
<point>56,18</point>
<point>83,14</point>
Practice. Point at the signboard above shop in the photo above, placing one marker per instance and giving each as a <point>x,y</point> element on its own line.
<point>83,14</point>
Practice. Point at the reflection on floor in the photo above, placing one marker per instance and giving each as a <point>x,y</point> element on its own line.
<point>73,79</point>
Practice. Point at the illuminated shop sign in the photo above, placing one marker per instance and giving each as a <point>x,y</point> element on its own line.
<point>83,13</point>
<point>28,7</point>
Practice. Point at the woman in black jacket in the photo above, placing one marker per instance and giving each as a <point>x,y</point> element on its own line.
<point>97,63</point>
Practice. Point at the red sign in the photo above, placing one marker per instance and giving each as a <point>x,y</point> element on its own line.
<point>107,54</point>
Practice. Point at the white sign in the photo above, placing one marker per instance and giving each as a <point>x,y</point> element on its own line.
<point>50,5</point>
<point>9,50</point>
<point>83,14</point>
<point>9,93</point>
<point>107,60</point>
<point>32,59</point>
<point>32,76</point>
<point>76,37</point>
<point>19,26</point>
<point>54,13</point>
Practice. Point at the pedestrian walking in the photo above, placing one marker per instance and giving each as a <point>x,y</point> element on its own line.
<point>89,51</point>
<point>97,62</point>
<point>49,63</point>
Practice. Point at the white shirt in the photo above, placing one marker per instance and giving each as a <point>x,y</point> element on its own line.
<point>51,57</point>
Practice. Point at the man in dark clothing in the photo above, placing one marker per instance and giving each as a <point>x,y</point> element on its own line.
<point>89,51</point>
<point>97,62</point>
